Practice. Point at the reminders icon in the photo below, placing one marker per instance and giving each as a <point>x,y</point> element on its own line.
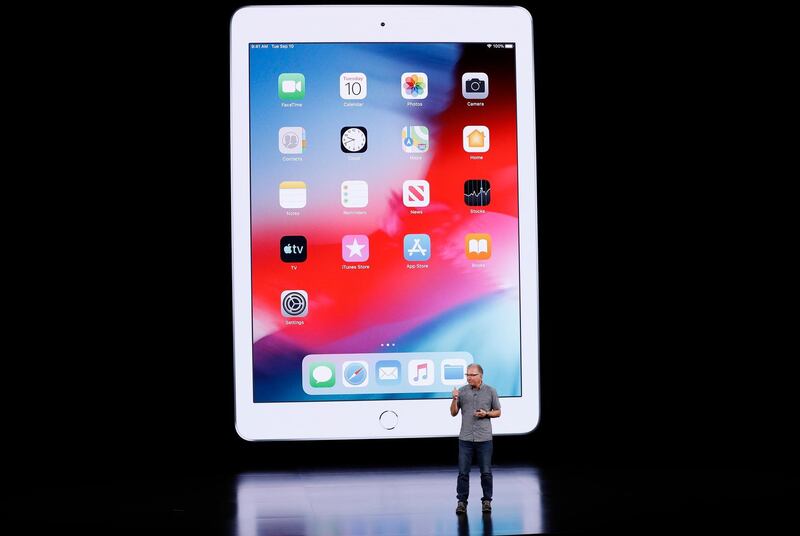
<point>355,194</point>
<point>292,194</point>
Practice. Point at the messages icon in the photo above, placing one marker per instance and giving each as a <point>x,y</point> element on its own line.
<point>388,372</point>
<point>322,374</point>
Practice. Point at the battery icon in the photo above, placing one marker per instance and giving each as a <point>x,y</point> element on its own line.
<point>509,45</point>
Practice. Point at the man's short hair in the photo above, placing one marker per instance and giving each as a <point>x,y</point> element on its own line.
<point>477,366</point>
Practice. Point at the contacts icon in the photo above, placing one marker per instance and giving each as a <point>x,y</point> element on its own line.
<point>388,372</point>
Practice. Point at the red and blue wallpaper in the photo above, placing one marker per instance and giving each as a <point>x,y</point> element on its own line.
<point>384,209</point>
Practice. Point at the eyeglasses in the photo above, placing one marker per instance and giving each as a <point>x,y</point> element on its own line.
<point>476,374</point>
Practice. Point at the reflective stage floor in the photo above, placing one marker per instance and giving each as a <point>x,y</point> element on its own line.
<point>413,501</point>
<point>396,503</point>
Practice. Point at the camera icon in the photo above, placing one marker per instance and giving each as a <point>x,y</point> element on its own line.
<point>475,85</point>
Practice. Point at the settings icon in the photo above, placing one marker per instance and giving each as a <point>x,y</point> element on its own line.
<point>294,303</point>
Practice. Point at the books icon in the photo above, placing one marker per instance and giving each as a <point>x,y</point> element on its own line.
<point>478,246</point>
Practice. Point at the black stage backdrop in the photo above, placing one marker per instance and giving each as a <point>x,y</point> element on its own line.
<point>664,316</point>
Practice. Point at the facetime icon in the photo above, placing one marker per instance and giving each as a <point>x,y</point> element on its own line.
<point>291,86</point>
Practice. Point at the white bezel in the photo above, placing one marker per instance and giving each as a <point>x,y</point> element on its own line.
<point>317,24</point>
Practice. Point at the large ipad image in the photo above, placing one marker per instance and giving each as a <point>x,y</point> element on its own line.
<point>384,198</point>
<point>383,212</point>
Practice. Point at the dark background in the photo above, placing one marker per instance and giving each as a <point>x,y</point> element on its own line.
<point>666,320</point>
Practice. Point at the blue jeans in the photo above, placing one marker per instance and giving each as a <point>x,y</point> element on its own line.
<point>483,452</point>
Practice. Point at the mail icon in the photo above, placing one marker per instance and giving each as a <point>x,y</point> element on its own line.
<point>388,372</point>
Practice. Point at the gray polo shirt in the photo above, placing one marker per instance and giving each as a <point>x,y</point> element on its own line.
<point>471,400</point>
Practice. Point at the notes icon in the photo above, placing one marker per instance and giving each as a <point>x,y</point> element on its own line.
<point>292,194</point>
<point>420,372</point>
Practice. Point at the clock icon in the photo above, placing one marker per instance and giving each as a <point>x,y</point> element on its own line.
<point>354,139</point>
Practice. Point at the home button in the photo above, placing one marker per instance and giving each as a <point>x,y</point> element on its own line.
<point>388,419</point>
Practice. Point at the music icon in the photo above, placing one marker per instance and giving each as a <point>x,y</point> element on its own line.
<point>420,372</point>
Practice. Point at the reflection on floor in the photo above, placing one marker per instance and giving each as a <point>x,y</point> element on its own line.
<point>387,502</point>
<point>609,497</point>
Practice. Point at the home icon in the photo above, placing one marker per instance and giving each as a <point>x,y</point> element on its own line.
<point>476,139</point>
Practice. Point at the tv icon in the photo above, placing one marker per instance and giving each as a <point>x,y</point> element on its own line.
<point>294,248</point>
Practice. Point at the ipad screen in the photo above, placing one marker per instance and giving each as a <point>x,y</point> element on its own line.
<point>384,210</point>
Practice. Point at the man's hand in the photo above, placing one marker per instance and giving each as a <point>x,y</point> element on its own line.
<point>481,413</point>
<point>454,403</point>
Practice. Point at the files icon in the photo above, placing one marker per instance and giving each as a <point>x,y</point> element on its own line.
<point>453,371</point>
